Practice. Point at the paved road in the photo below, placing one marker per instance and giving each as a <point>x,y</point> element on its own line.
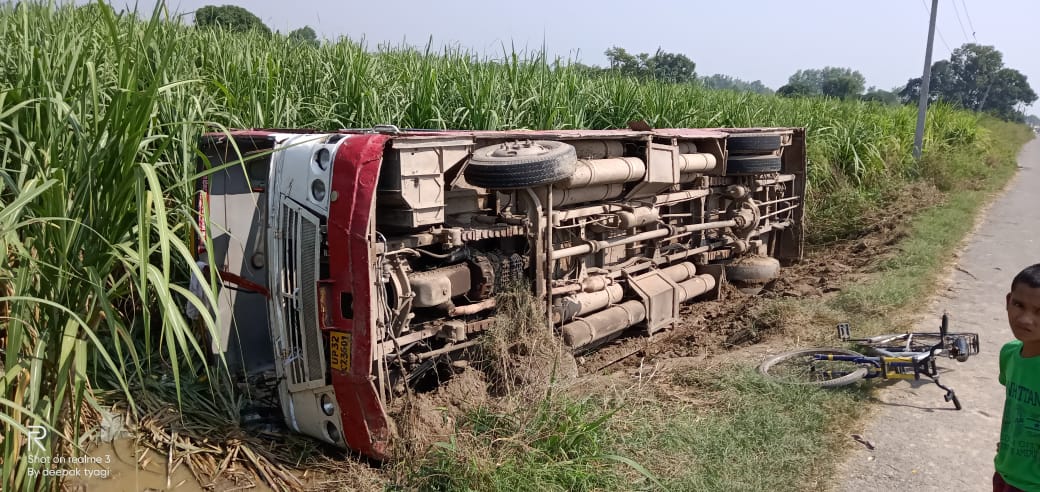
<point>920,443</point>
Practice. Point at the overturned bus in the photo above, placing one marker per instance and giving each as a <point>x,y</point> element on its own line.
<point>351,261</point>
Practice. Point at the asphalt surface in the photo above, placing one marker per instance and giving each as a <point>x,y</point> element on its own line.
<point>920,442</point>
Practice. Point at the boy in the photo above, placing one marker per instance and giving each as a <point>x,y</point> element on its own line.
<point>1018,453</point>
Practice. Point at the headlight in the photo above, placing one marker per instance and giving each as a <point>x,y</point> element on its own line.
<point>327,406</point>
<point>323,157</point>
<point>318,190</point>
<point>333,432</point>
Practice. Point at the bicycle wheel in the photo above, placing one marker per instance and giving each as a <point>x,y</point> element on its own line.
<point>903,342</point>
<point>802,367</point>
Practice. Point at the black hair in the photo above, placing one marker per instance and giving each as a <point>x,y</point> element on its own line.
<point>1030,276</point>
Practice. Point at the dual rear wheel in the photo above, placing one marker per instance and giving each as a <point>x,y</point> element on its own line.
<point>753,153</point>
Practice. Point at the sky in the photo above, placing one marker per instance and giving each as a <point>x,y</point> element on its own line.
<point>750,39</point>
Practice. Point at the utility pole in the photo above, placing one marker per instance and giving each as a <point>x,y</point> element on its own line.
<point>922,105</point>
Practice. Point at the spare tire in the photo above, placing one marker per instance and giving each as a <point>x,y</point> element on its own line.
<point>753,142</point>
<point>523,164</point>
<point>753,269</point>
<point>750,274</point>
<point>752,164</point>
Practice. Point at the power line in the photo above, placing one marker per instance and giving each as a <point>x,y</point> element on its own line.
<point>968,16</point>
<point>956,11</point>
<point>937,30</point>
<point>943,39</point>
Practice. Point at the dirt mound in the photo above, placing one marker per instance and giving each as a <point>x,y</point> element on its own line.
<point>516,361</point>
<point>425,418</point>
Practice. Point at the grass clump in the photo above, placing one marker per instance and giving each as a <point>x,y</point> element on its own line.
<point>755,434</point>
<point>520,352</point>
<point>558,444</point>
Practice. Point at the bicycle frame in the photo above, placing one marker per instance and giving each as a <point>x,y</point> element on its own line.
<point>889,365</point>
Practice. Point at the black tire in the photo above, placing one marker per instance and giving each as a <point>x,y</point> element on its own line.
<point>799,367</point>
<point>752,164</point>
<point>752,142</point>
<point>557,162</point>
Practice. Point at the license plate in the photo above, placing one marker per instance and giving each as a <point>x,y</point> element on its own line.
<point>339,350</point>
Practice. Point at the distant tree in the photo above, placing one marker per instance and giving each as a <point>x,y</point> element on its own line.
<point>810,80</point>
<point>95,9</point>
<point>1007,91</point>
<point>843,83</point>
<point>829,81</point>
<point>797,89</point>
<point>583,68</point>
<point>230,17</point>
<point>664,66</point>
<point>304,35</point>
<point>1032,120</point>
<point>975,78</point>
<point>881,96</point>
<point>725,82</point>
<point>942,82</point>
<point>672,67</point>
<point>621,61</point>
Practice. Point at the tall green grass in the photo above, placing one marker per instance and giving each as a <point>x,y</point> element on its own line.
<point>99,114</point>
<point>96,142</point>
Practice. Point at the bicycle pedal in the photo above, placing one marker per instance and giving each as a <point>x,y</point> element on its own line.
<point>948,396</point>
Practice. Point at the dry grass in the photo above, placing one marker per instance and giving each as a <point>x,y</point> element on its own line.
<point>521,354</point>
<point>212,446</point>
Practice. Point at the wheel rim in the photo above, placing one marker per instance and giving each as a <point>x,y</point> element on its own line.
<point>804,369</point>
<point>520,149</point>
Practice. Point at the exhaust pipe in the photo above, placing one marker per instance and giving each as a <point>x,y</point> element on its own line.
<point>608,323</point>
<point>603,324</point>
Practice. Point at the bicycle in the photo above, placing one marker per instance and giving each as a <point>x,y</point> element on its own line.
<point>898,356</point>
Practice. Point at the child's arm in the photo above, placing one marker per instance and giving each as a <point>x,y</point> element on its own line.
<point>1006,352</point>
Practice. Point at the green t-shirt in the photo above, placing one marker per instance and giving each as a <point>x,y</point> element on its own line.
<point>1018,459</point>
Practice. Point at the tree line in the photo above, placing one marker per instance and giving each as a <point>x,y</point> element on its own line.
<point>974,78</point>
<point>672,67</point>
